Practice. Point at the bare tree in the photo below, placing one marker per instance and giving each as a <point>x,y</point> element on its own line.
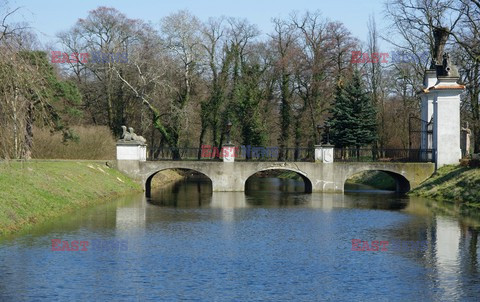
<point>104,34</point>
<point>284,48</point>
<point>468,36</point>
<point>218,59</point>
<point>376,81</point>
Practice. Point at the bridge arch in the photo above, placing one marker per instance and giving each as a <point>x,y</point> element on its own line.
<point>306,180</point>
<point>401,182</point>
<point>149,177</point>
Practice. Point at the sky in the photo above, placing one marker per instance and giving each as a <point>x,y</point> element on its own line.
<point>48,17</point>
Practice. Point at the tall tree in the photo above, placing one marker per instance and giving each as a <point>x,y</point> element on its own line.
<point>218,59</point>
<point>312,72</point>
<point>283,43</point>
<point>353,120</point>
<point>412,34</point>
<point>30,90</point>
<point>468,37</point>
<point>104,31</point>
<point>376,82</point>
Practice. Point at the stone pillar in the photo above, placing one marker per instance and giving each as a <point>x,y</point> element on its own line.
<point>446,128</point>
<point>228,153</point>
<point>465,141</point>
<point>129,156</point>
<point>131,151</point>
<point>426,115</point>
<point>327,154</point>
<point>318,153</point>
<point>445,94</point>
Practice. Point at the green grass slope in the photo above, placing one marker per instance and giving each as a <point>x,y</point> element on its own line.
<point>453,184</point>
<point>32,192</point>
<point>375,179</point>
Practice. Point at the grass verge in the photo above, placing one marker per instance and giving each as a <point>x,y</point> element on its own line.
<point>375,179</point>
<point>32,192</point>
<point>453,184</point>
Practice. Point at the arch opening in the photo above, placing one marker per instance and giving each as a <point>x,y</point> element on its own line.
<point>377,180</point>
<point>278,180</point>
<point>175,177</point>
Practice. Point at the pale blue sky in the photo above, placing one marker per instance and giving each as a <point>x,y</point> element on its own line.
<point>48,17</point>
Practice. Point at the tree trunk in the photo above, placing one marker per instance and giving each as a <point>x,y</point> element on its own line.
<point>285,118</point>
<point>476,140</point>
<point>200,142</point>
<point>28,144</point>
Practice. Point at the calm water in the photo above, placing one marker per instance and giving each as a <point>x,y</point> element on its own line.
<point>266,245</point>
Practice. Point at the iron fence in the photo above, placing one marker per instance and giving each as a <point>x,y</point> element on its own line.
<point>183,153</point>
<point>384,155</point>
<point>300,154</point>
<point>243,153</point>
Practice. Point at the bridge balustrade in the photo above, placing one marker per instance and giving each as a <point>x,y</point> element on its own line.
<point>241,154</point>
<point>383,155</point>
<point>300,154</point>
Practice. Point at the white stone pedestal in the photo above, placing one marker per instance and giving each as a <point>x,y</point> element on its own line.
<point>441,98</point>
<point>318,153</point>
<point>446,129</point>
<point>131,151</point>
<point>327,154</point>
<point>228,153</point>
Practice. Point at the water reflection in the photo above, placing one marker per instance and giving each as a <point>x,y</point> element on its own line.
<point>229,200</point>
<point>274,185</point>
<point>189,243</point>
<point>191,192</point>
<point>131,215</point>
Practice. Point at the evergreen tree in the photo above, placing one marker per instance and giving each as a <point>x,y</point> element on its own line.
<point>247,96</point>
<point>353,116</point>
<point>341,120</point>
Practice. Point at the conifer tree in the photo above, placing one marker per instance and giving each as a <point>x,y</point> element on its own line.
<point>353,116</point>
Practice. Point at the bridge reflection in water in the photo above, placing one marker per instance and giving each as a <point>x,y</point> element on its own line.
<point>194,201</point>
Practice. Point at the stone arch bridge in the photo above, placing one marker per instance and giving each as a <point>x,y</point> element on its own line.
<point>318,177</point>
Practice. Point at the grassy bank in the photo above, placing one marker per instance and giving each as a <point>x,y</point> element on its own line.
<point>32,192</point>
<point>90,143</point>
<point>166,177</point>
<point>375,179</point>
<point>453,184</point>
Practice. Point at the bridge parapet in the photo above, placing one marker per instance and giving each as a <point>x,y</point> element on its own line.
<point>318,177</point>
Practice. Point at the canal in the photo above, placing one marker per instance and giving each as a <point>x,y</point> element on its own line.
<point>272,243</point>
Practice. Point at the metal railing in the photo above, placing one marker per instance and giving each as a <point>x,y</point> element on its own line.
<point>299,154</point>
<point>383,155</point>
<point>183,153</point>
<point>241,154</point>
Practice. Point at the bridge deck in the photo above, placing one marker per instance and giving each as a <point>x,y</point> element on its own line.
<point>320,177</point>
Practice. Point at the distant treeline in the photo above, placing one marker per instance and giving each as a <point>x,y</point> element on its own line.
<point>185,79</point>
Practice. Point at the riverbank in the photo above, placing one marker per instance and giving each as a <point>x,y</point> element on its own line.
<point>166,177</point>
<point>32,192</point>
<point>375,179</point>
<point>453,184</point>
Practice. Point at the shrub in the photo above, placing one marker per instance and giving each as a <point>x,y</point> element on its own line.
<point>471,163</point>
<point>92,142</point>
<point>474,163</point>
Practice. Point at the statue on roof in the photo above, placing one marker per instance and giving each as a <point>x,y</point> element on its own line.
<point>440,34</point>
<point>441,60</point>
<point>130,136</point>
<point>449,69</point>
